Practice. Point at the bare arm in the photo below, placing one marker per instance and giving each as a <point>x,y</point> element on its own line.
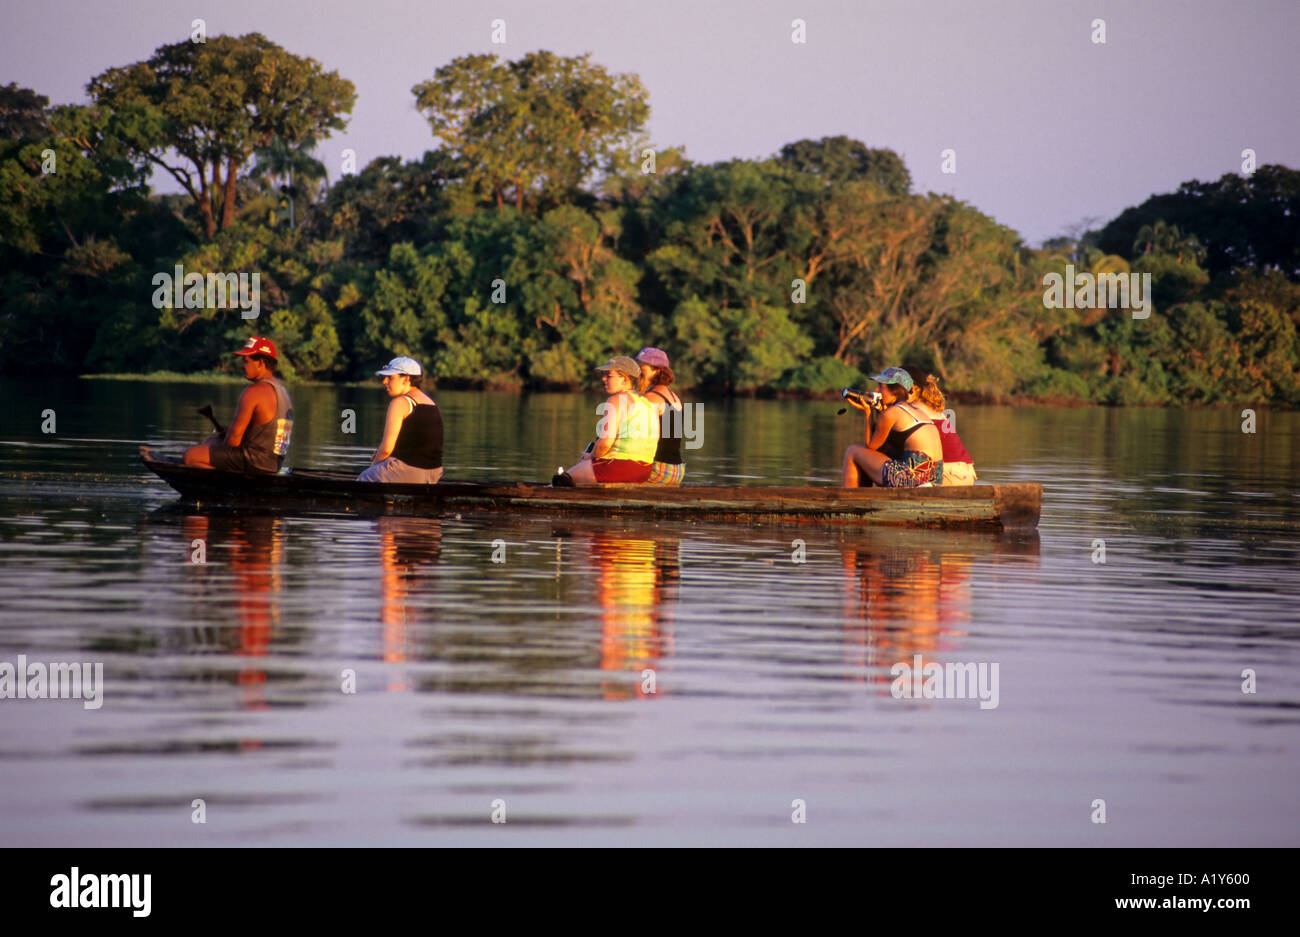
<point>874,418</point>
<point>248,404</point>
<point>398,411</point>
<point>608,428</point>
<point>883,425</point>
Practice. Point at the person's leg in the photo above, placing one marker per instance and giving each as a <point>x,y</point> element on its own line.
<point>582,473</point>
<point>393,471</point>
<point>958,473</point>
<point>620,471</point>
<point>873,463</point>
<point>861,462</point>
<point>849,470</point>
<point>201,456</point>
<point>198,457</point>
<point>374,473</point>
<point>664,473</point>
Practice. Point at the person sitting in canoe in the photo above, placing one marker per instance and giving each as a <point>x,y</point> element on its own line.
<point>958,466</point>
<point>258,438</point>
<point>626,435</point>
<point>656,375</point>
<point>904,449</point>
<point>411,450</point>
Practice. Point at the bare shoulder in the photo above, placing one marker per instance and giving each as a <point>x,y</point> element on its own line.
<point>260,394</point>
<point>891,415</point>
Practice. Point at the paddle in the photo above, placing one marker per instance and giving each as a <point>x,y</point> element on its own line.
<point>206,410</point>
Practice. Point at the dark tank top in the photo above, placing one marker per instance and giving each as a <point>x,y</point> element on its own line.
<point>669,450</point>
<point>419,441</point>
<point>265,445</point>
<point>893,445</point>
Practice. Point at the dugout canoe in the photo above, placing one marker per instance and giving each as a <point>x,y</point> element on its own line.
<point>993,507</point>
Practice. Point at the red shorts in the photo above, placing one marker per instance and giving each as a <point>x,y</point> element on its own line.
<point>609,471</point>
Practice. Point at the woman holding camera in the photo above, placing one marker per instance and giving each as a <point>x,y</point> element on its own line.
<point>903,450</point>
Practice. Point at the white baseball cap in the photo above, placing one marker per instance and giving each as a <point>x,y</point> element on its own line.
<point>402,365</point>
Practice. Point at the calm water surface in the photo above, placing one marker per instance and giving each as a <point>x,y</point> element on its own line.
<point>521,685</point>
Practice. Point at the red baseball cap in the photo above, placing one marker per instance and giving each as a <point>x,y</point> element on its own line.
<point>259,346</point>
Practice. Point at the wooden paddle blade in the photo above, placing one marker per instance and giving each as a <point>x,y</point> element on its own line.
<point>206,410</point>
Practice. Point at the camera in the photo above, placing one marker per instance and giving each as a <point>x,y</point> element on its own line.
<point>872,401</point>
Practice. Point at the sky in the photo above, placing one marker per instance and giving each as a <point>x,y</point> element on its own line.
<point>1048,127</point>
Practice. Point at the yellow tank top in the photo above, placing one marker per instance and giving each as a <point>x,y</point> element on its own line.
<point>638,436</point>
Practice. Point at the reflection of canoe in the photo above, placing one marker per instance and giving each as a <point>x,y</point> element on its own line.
<point>988,506</point>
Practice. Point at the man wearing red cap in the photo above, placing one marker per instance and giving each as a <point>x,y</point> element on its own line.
<point>258,438</point>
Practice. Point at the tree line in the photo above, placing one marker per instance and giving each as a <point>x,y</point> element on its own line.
<point>544,231</point>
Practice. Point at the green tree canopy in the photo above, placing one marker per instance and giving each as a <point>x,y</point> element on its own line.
<point>200,110</point>
<point>533,131</point>
<point>1241,221</point>
<point>389,202</point>
<point>22,113</point>
<point>843,159</point>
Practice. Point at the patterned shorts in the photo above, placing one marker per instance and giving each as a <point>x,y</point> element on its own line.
<point>911,471</point>
<point>664,473</point>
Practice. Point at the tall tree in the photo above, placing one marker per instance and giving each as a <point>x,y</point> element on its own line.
<point>535,130</point>
<point>200,110</point>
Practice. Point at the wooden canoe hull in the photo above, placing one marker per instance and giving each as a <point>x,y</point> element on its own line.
<point>995,507</point>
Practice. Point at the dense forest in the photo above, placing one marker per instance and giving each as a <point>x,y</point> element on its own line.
<point>545,231</point>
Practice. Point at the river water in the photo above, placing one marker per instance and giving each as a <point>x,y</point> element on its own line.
<point>345,681</point>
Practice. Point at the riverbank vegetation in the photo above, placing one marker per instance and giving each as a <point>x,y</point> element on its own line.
<point>544,231</point>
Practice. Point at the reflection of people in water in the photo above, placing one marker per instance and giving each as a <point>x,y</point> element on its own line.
<point>636,579</point>
<point>255,545</point>
<point>405,545</point>
<point>901,603</point>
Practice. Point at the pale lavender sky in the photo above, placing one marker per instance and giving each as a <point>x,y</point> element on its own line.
<point>1048,127</point>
